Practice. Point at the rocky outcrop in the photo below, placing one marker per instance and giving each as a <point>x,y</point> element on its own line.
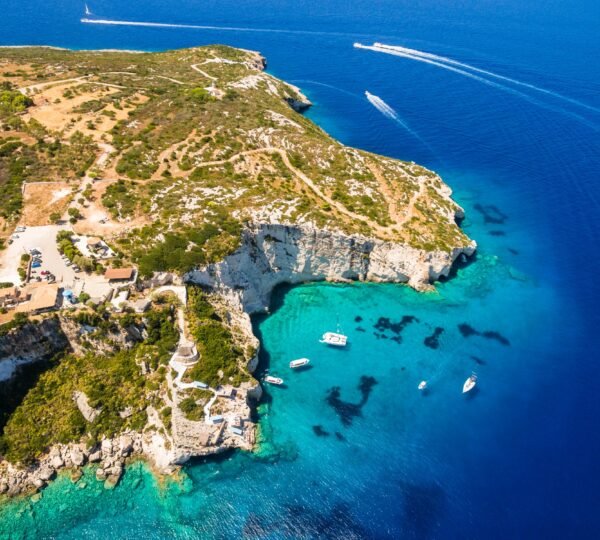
<point>84,338</point>
<point>40,341</point>
<point>272,254</point>
<point>110,458</point>
<point>33,342</point>
<point>88,412</point>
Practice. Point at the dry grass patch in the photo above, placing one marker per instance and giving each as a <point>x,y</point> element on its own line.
<point>41,199</point>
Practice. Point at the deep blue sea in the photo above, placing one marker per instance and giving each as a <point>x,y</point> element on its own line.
<point>351,448</point>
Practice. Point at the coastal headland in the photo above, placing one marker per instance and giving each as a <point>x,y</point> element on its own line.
<point>149,204</point>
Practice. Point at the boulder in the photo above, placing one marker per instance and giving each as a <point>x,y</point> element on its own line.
<point>125,445</point>
<point>77,457</point>
<point>95,457</point>
<point>106,447</point>
<point>45,473</point>
<point>111,481</point>
<point>100,475</point>
<point>82,402</point>
<point>38,483</point>
<point>57,461</point>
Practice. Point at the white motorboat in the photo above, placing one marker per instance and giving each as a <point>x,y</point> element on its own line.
<point>422,385</point>
<point>273,380</point>
<point>294,364</point>
<point>335,339</point>
<point>470,383</point>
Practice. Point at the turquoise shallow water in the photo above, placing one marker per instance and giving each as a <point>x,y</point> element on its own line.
<point>518,459</point>
<point>396,463</point>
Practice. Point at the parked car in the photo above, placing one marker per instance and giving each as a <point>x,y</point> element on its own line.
<point>68,263</point>
<point>45,272</point>
<point>36,265</point>
<point>20,229</point>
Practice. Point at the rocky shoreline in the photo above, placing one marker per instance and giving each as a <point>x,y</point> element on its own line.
<point>110,456</point>
<point>270,255</point>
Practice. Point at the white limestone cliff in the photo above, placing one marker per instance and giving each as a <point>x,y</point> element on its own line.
<point>272,254</point>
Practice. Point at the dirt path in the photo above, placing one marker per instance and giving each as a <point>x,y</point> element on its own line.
<point>35,87</point>
<point>399,216</point>
<point>307,181</point>
<point>196,68</point>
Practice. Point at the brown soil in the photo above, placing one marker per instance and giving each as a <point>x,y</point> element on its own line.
<point>42,199</point>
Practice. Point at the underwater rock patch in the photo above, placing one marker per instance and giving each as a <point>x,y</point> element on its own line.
<point>433,341</point>
<point>346,410</point>
<point>491,214</point>
<point>385,324</point>
<point>320,432</point>
<point>468,331</point>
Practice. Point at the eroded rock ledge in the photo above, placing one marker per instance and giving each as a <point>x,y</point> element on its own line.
<point>272,254</point>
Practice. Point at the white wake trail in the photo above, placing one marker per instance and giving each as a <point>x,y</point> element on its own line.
<point>146,24</point>
<point>383,107</point>
<point>387,50</point>
<point>446,60</point>
<point>390,113</point>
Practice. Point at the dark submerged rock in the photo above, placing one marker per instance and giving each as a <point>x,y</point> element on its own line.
<point>433,341</point>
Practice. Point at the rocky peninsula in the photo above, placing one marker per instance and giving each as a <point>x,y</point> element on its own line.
<point>196,169</point>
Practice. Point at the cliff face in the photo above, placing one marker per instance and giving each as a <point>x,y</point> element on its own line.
<point>272,254</point>
<point>30,343</point>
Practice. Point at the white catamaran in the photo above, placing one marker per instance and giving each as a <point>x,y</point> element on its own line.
<point>335,339</point>
<point>301,362</point>
<point>470,383</point>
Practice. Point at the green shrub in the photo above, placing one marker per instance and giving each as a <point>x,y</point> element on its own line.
<point>113,382</point>
<point>214,341</point>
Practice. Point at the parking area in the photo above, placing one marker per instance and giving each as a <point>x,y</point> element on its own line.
<point>43,240</point>
<point>50,269</point>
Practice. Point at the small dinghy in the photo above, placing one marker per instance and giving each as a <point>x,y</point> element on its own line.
<point>423,385</point>
<point>470,383</point>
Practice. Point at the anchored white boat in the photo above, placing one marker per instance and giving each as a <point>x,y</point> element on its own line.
<point>294,364</point>
<point>422,385</point>
<point>470,383</point>
<point>273,380</point>
<point>335,339</point>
